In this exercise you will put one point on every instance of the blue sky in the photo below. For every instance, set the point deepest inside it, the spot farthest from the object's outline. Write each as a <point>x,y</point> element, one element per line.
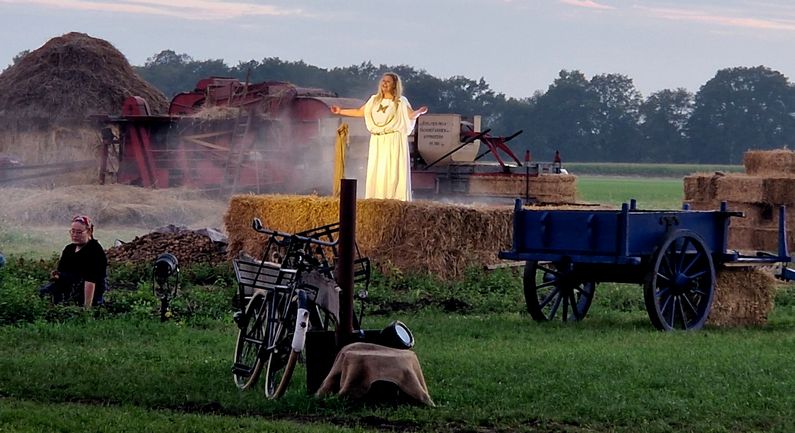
<point>517,46</point>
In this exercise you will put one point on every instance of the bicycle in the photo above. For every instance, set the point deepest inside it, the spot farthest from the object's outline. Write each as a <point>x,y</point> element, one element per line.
<point>286,296</point>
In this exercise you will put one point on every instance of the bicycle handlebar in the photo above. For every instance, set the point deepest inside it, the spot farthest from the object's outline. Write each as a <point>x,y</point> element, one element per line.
<point>256,224</point>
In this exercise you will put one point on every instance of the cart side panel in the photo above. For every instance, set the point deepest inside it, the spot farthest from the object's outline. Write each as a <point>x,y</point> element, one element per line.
<point>566,232</point>
<point>647,230</point>
<point>608,233</point>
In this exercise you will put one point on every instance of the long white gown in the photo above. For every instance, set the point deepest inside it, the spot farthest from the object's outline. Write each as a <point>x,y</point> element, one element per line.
<point>388,163</point>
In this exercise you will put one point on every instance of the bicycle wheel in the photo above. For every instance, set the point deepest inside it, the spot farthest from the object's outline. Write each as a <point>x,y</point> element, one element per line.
<point>282,359</point>
<point>281,327</point>
<point>250,338</point>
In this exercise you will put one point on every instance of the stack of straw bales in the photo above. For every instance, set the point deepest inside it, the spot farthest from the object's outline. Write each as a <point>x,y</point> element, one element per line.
<point>745,296</point>
<point>411,237</point>
<point>768,183</point>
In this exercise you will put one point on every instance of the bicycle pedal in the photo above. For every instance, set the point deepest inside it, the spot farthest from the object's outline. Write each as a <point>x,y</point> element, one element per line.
<point>241,369</point>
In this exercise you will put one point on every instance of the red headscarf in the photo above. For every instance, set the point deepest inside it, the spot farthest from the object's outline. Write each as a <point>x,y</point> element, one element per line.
<point>86,221</point>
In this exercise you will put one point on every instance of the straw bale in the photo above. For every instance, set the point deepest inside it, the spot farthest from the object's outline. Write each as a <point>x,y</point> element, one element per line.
<point>780,190</point>
<point>756,215</point>
<point>756,238</point>
<point>416,237</point>
<point>769,162</point>
<point>742,238</point>
<point>700,187</point>
<point>547,188</point>
<point>743,296</point>
<point>740,188</point>
<point>69,78</point>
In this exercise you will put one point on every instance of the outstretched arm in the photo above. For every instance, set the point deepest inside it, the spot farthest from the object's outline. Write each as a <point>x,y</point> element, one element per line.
<point>413,114</point>
<point>350,112</point>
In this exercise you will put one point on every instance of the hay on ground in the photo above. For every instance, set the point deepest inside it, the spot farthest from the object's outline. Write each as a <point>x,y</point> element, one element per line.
<point>110,205</point>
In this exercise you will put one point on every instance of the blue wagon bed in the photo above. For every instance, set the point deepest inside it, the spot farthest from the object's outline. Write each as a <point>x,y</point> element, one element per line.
<point>672,254</point>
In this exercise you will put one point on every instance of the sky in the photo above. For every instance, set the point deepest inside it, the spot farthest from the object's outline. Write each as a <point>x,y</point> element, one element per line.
<point>517,46</point>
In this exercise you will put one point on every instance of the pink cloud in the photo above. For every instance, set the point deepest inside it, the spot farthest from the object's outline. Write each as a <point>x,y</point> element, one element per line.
<point>588,4</point>
<point>187,9</point>
<point>717,19</point>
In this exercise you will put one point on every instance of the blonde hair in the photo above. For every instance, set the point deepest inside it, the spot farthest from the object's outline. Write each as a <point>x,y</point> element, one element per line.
<point>398,87</point>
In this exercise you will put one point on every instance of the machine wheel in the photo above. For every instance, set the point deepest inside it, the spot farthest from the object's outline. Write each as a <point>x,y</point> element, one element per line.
<point>679,288</point>
<point>248,361</point>
<point>552,288</point>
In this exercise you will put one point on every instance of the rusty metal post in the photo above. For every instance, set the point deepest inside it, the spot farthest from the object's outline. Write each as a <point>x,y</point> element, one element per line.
<point>345,260</point>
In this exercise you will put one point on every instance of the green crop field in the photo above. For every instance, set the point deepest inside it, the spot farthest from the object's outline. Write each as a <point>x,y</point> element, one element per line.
<point>650,193</point>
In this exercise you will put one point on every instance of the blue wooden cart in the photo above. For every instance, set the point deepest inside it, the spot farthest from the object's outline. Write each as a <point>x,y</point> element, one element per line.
<point>673,254</point>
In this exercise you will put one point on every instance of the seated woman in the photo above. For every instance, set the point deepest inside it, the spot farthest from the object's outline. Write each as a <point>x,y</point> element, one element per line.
<point>82,269</point>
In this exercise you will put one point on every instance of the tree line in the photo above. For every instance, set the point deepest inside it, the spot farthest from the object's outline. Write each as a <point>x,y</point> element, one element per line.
<point>601,119</point>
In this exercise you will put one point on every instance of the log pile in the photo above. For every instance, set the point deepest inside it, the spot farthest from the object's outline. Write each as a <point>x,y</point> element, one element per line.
<point>188,246</point>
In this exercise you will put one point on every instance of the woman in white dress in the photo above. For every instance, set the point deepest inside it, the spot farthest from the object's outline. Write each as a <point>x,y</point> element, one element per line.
<point>390,119</point>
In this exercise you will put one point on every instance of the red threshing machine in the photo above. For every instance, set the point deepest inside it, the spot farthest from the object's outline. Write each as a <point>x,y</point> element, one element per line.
<point>227,136</point>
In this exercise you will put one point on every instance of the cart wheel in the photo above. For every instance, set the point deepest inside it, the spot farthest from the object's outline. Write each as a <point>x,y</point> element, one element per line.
<point>552,288</point>
<point>678,290</point>
<point>248,361</point>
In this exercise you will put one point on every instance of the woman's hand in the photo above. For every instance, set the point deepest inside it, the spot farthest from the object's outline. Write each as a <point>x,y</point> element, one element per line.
<point>419,112</point>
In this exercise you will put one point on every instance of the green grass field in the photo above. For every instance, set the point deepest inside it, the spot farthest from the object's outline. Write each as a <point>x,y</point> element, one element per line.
<point>489,367</point>
<point>651,193</point>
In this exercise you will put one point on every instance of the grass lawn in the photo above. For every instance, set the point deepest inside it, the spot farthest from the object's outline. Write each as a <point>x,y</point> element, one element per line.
<point>496,372</point>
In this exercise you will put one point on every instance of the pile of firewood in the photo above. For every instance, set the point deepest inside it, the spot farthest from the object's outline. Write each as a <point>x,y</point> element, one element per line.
<point>189,247</point>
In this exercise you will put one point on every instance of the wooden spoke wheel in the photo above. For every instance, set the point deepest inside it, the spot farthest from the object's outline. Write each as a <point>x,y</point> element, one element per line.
<point>553,290</point>
<point>679,288</point>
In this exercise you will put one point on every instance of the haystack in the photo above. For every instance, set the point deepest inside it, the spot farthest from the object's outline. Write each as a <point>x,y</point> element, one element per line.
<point>46,98</point>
